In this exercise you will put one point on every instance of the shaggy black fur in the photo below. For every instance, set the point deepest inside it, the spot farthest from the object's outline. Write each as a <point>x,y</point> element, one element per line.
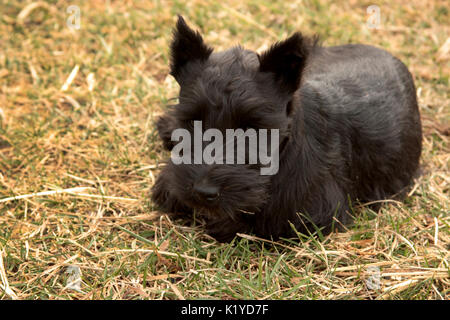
<point>349,126</point>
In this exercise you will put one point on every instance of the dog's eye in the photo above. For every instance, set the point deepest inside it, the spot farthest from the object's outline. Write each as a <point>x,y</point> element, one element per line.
<point>245,127</point>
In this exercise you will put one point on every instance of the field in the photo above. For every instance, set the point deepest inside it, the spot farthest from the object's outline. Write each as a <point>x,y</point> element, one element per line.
<point>79,153</point>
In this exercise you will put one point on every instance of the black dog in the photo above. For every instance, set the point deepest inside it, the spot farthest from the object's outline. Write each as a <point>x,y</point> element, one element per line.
<point>349,130</point>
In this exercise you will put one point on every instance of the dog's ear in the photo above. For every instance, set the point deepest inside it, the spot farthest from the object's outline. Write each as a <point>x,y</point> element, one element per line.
<point>286,60</point>
<point>165,125</point>
<point>187,45</point>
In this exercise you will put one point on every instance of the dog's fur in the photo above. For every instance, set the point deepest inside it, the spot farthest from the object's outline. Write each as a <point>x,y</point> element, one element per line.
<point>349,126</point>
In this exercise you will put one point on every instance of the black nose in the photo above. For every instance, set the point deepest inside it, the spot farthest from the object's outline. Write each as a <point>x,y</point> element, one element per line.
<point>206,191</point>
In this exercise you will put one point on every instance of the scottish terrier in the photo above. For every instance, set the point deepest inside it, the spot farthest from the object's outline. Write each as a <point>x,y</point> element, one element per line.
<point>348,127</point>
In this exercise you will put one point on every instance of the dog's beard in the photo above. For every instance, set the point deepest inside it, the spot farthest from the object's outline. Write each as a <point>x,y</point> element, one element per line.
<point>242,191</point>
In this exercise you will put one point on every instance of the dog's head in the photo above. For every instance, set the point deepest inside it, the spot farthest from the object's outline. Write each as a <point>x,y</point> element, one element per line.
<point>239,90</point>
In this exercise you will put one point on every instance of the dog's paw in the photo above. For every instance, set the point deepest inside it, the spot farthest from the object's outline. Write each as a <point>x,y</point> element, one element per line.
<point>224,230</point>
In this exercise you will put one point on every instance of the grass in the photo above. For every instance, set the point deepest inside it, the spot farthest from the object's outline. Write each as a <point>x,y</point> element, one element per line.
<point>76,165</point>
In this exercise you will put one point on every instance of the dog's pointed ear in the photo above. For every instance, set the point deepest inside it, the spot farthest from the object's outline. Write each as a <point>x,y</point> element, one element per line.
<point>286,60</point>
<point>187,45</point>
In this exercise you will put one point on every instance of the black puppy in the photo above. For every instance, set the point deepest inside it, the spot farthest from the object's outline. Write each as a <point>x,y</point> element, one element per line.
<point>349,130</point>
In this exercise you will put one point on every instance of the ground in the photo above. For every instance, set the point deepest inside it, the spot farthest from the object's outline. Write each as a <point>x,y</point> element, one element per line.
<point>79,153</point>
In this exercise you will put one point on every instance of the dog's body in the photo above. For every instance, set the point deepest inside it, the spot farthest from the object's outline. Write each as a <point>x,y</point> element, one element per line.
<point>349,130</point>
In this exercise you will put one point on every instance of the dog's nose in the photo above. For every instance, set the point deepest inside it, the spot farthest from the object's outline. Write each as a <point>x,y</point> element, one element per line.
<point>206,191</point>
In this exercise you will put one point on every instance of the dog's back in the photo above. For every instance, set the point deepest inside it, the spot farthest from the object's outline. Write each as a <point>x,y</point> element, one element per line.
<point>368,98</point>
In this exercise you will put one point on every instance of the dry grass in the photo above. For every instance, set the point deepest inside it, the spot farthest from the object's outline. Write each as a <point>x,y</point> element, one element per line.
<point>78,154</point>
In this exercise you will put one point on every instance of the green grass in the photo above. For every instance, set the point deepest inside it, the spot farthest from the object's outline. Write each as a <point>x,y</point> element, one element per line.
<point>103,138</point>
